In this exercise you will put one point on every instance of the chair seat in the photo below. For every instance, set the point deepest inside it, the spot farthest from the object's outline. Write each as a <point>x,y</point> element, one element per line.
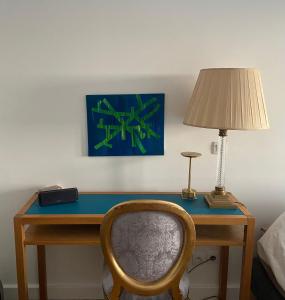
<point>184,287</point>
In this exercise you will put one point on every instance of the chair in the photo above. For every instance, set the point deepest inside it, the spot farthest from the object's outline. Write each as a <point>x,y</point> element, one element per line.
<point>147,245</point>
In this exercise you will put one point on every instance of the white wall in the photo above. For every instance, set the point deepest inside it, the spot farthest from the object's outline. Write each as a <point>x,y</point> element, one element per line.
<point>53,53</point>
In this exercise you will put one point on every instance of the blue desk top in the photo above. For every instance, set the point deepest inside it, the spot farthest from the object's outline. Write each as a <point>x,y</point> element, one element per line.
<point>101,203</point>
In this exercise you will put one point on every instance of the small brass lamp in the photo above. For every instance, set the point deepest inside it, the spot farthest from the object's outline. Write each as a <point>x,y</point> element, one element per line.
<point>224,99</point>
<point>189,193</point>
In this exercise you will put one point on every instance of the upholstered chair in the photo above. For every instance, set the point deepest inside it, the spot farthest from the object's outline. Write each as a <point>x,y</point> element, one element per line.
<point>147,245</point>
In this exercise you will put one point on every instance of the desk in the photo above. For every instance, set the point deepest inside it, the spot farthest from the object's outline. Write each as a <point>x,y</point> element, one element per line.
<point>79,224</point>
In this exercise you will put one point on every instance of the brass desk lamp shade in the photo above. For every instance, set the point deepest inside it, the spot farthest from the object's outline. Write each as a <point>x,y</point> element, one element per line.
<point>226,98</point>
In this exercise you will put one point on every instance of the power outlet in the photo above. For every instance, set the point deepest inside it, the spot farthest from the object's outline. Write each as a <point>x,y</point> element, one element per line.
<point>200,260</point>
<point>203,254</point>
<point>196,259</point>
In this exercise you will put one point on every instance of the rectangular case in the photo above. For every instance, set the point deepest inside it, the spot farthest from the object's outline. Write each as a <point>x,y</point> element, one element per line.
<point>59,196</point>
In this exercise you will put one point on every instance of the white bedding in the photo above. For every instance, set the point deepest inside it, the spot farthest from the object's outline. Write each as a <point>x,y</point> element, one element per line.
<point>271,249</point>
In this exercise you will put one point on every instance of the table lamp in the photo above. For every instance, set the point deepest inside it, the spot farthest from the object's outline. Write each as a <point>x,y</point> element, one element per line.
<point>224,99</point>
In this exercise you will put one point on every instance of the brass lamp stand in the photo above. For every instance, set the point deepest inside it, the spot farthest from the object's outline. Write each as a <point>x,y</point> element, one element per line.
<point>189,193</point>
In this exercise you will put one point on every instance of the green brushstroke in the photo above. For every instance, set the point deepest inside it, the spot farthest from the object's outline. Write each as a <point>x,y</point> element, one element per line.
<point>138,132</point>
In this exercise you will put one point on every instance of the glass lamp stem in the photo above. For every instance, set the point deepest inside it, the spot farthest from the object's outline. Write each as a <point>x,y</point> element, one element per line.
<point>221,162</point>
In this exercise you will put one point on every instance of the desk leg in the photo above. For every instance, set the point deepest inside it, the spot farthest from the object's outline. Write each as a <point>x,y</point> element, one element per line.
<point>21,260</point>
<point>42,271</point>
<point>223,273</point>
<point>245,280</point>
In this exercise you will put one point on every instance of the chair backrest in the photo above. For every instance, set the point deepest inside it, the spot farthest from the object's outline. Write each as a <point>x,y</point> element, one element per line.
<point>147,245</point>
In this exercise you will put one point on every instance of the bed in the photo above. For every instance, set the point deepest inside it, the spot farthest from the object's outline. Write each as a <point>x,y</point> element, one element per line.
<point>263,285</point>
<point>268,273</point>
<point>1,291</point>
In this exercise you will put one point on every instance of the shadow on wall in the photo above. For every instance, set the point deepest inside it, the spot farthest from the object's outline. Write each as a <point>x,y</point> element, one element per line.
<point>51,112</point>
<point>58,104</point>
<point>48,116</point>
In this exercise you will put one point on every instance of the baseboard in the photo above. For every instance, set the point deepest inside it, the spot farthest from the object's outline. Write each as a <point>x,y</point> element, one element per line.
<point>59,291</point>
<point>75,291</point>
<point>201,291</point>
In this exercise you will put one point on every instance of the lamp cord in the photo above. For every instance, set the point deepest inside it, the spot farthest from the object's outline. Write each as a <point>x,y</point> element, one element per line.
<point>211,258</point>
<point>202,263</point>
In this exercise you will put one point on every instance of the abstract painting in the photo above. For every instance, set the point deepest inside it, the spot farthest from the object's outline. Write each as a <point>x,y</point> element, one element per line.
<point>129,124</point>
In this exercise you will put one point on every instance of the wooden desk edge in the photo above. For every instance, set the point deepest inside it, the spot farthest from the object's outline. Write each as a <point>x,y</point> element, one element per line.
<point>97,219</point>
<point>27,205</point>
<point>34,197</point>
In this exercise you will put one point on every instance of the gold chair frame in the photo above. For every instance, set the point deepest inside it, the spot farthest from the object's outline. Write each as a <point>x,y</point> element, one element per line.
<point>170,281</point>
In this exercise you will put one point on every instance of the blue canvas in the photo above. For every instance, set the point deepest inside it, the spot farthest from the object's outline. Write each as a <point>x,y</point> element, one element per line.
<point>131,124</point>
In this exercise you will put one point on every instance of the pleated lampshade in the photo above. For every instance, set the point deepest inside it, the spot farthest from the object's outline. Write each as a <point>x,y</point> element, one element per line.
<point>228,98</point>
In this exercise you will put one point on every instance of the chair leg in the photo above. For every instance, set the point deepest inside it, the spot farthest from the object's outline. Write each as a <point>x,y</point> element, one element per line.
<point>115,294</point>
<point>105,295</point>
<point>176,293</point>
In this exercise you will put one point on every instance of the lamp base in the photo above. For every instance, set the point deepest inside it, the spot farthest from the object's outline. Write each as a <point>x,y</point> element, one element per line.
<point>189,194</point>
<point>225,200</point>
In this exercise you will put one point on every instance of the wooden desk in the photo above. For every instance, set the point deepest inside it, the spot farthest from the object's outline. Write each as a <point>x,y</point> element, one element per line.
<point>79,224</point>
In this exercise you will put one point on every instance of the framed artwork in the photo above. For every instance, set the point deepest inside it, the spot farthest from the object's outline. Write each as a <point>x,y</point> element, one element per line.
<point>131,124</point>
